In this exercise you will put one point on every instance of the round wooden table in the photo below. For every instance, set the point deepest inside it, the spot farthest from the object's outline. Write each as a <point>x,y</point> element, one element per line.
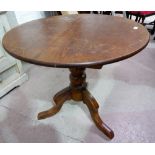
<point>76,42</point>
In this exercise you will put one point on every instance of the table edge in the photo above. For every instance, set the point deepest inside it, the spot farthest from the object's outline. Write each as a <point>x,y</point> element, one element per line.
<point>81,65</point>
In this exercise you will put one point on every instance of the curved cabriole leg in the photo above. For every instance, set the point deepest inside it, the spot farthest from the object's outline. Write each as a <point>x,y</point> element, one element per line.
<point>59,100</point>
<point>77,91</point>
<point>92,104</point>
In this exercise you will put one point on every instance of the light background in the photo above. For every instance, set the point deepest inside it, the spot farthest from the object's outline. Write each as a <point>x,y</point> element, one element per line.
<point>74,5</point>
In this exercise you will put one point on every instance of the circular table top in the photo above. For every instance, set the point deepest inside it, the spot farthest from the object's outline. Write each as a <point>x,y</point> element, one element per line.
<point>76,40</point>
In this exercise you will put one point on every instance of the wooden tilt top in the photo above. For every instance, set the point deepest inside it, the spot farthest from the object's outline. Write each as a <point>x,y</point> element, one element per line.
<point>76,40</point>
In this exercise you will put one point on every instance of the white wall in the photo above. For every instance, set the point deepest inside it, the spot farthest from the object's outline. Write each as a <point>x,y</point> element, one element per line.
<point>69,12</point>
<point>25,16</point>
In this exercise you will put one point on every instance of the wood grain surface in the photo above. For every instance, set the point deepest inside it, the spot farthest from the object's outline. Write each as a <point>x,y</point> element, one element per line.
<point>76,40</point>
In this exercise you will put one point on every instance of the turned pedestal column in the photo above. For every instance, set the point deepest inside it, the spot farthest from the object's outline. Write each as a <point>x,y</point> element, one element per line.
<point>77,91</point>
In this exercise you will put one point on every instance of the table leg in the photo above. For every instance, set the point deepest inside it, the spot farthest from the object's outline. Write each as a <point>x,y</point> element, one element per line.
<point>59,100</point>
<point>93,106</point>
<point>77,91</point>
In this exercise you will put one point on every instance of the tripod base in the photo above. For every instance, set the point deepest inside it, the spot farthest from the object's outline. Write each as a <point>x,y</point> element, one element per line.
<point>77,91</point>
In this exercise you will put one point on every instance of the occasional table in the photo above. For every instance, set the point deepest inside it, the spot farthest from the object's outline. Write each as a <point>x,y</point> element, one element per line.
<point>76,42</point>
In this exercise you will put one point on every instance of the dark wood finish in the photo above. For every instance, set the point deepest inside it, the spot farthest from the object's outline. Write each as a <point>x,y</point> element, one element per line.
<point>76,42</point>
<point>77,91</point>
<point>59,100</point>
<point>93,106</point>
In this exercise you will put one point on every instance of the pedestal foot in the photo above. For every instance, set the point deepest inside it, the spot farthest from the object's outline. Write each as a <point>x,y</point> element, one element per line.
<point>59,100</point>
<point>77,91</point>
<point>92,104</point>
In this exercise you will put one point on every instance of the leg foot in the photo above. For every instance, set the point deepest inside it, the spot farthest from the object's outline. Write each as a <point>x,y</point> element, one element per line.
<point>77,91</point>
<point>59,100</point>
<point>92,104</point>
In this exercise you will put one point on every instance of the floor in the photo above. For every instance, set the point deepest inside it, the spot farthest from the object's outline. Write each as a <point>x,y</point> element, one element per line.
<point>125,91</point>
